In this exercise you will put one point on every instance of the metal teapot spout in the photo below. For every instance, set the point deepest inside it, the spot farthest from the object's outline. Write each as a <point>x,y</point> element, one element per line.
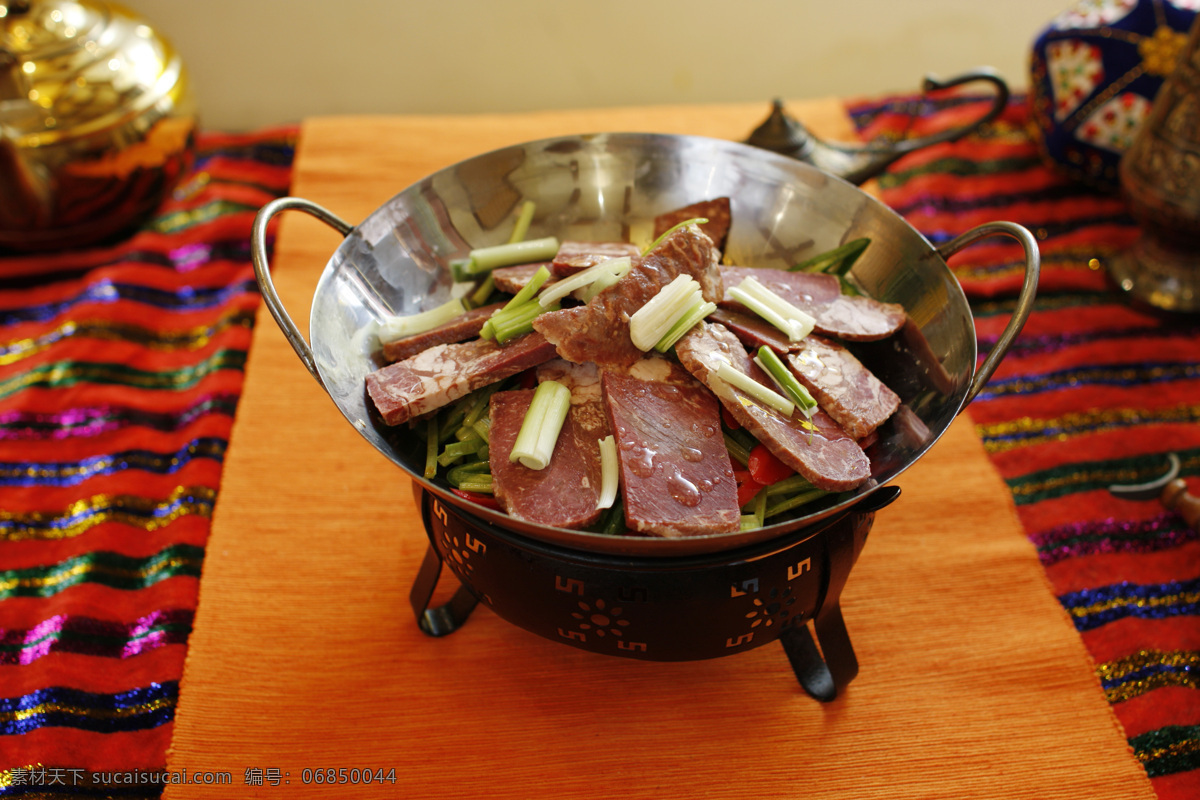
<point>781,133</point>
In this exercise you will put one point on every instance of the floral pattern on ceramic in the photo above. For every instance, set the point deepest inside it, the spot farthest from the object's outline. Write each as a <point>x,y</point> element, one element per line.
<point>1095,70</point>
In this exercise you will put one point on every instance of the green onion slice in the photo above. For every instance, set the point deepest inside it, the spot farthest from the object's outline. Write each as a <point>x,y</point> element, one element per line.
<point>738,451</point>
<point>486,259</point>
<point>651,322</point>
<point>756,390</point>
<point>585,278</point>
<point>795,501</point>
<point>696,312</point>
<point>524,218</point>
<point>432,440</point>
<point>785,379</point>
<point>837,261</point>
<point>517,315</point>
<point>610,477</point>
<point>542,424</point>
<point>672,229</point>
<point>794,322</point>
<point>398,327</point>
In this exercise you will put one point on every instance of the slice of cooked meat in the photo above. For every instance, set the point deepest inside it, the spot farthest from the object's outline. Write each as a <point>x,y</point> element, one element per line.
<point>564,494</point>
<point>716,211</point>
<point>817,449</point>
<point>513,279</point>
<point>676,476</point>
<point>599,331</point>
<point>446,372</point>
<point>855,398</point>
<point>849,317</point>
<point>575,257</point>
<point>753,330</point>
<point>465,326</point>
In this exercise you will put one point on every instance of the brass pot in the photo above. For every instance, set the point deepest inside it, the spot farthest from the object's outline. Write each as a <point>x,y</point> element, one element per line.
<point>97,122</point>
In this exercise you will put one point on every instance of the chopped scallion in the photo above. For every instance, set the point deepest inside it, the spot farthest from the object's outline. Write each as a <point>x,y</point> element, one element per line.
<point>837,261</point>
<point>456,450</point>
<point>737,450</point>
<point>789,485</point>
<point>698,311</point>
<point>486,259</point>
<point>524,218</point>
<point>672,229</point>
<point>756,390</point>
<point>609,472</point>
<point>481,294</point>
<point>758,513</point>
<point>613,268</point>
<point>795,323</point>
<point>615,523</point>
<point>785,379</point>
<point>398,327</point>
<point>431,448</point>
<point>543,422</point>
<point>471,470</point>
<point>795,501</point>
<point>480,483</point>
<point>527,292</point>
<point>517,315</point>
<point>517,321</point>
<point>652,321</point>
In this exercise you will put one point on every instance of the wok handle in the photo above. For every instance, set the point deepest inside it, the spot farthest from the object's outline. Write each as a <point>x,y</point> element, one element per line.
<point>262,269</point>
<point>1033,265</point>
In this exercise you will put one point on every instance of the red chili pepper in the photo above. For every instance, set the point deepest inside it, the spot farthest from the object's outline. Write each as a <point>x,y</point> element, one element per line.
<point>485,500</point>
<point>747,491</point>
<point>729,420</point>
<point>765,467</point>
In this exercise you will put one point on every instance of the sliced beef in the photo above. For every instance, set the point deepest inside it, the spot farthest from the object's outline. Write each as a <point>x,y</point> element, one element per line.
<point>599,331</point>
<point>575,257</point>
<point>676,476</point>
<point>446,372</point>
<point>716,211</point>
<point>564,494</point>
<point>818,449</point>
<point>844,388</point>
<point>849,317</point>
<point>514,279</point>
<point>753,330</point>
<point>461,328</point>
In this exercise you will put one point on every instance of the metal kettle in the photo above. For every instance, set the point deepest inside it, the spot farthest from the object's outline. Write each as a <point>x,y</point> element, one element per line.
<point>97,122</point>
<point>781,133</point>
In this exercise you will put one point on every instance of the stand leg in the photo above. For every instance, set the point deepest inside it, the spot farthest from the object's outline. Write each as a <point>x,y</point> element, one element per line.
<point>823,678</point>
<point>444,619</point>
<point>826,676</point>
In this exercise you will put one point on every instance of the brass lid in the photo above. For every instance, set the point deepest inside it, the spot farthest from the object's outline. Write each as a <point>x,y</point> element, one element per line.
<point>76,67</point>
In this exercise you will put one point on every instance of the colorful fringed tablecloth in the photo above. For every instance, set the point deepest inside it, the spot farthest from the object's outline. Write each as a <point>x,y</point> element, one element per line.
<point>120,372</point>
<point>1092,393</point>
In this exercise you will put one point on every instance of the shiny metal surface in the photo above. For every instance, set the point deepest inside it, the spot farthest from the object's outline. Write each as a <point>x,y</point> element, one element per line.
<point>96,122</point>
<point>782,134</point>
<point>609,187</point>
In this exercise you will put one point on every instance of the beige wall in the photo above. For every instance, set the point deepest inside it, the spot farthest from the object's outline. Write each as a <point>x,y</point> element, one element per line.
<point>263,62</point>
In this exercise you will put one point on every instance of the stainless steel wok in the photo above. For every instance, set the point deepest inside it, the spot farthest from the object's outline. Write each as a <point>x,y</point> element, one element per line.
<point>609,186</point>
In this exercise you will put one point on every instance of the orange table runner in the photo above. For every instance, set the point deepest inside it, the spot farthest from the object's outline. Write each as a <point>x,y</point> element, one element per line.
<point>305,656</point>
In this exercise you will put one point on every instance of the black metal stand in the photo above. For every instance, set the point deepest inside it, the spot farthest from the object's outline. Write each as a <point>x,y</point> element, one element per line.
<point>825,672</point>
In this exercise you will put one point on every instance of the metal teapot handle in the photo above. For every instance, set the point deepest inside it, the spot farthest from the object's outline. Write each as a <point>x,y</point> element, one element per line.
<point>858,163</point>
<point>1033,262</point>
<point>262,271</point>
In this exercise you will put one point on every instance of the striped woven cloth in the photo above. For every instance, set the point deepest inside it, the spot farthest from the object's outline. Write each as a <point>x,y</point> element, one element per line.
<point>120,370</point>
<point>1092,393</point>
